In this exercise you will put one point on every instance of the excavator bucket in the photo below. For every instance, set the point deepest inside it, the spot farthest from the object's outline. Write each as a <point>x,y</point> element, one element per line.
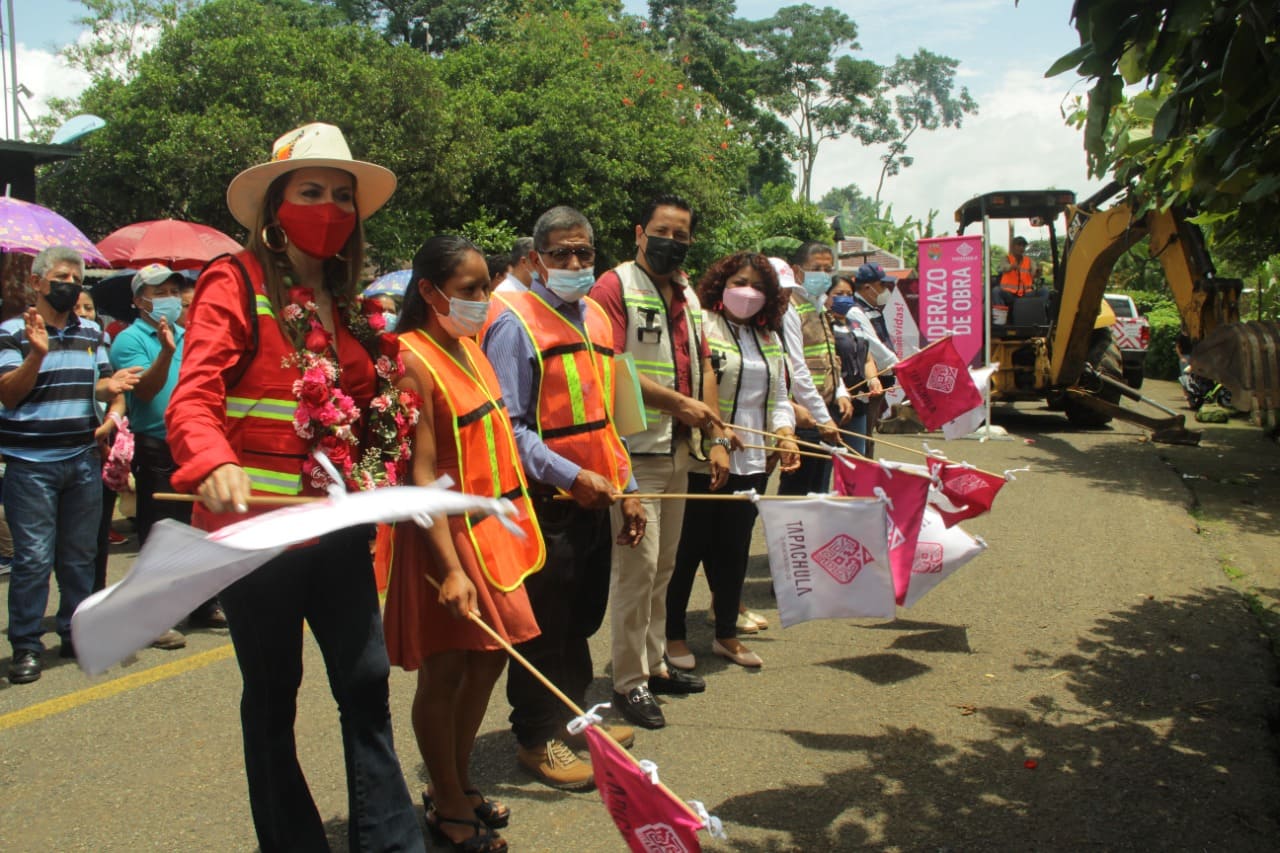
<point>1245,359</point>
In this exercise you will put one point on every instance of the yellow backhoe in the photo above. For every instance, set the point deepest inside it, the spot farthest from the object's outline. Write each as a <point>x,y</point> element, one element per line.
<point>1056,344</point>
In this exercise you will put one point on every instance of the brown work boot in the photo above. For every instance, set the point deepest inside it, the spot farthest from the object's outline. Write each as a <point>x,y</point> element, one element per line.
<point>169,640</point>
<point>556,765</point>
<point>624,735</point>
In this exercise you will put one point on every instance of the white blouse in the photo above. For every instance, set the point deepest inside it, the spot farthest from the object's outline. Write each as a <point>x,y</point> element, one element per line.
<point>752,390</point>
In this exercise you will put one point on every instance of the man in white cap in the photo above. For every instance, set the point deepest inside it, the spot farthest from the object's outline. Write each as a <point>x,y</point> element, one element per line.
<point>153,342</point>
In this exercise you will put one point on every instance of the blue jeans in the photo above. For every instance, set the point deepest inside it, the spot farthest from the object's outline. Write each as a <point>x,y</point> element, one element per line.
<point>329,585</point>
<point>53,510</point>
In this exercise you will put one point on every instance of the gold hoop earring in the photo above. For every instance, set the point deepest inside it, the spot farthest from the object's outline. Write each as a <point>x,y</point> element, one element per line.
<point>274,229</point>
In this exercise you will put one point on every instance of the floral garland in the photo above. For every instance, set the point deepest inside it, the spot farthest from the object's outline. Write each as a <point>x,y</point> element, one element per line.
<point>327,416</point>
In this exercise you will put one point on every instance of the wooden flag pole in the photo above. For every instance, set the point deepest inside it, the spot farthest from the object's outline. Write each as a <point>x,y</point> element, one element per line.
<point>475,618</point>
<point>768,449</point>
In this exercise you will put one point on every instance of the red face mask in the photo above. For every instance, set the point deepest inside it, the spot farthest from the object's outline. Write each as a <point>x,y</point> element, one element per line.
<point>320,230</point>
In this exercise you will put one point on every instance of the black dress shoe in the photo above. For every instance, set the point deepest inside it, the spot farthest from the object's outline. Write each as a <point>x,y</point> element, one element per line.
<point>25,667</point>
<point>676,683</point>
<point>67,650</point>
<point>640,707</point>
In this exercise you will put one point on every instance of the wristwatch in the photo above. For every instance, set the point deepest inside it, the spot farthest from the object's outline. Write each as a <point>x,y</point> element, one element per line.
<point>721,442</point>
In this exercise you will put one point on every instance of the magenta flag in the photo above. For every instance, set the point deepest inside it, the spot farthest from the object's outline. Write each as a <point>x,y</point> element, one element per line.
<point>937,382</point>
<point>972,490</point>
<point>649,816</point>
<point>951,292</point>
<point>908,495</point>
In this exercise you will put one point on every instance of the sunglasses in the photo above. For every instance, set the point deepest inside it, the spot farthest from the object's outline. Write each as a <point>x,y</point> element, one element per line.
<point>585,254</point>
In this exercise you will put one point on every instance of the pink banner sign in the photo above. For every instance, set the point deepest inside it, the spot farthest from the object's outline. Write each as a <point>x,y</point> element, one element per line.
<point>951,292</point>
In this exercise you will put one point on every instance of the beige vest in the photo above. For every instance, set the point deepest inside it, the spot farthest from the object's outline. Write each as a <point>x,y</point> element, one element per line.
<point>649,342</point>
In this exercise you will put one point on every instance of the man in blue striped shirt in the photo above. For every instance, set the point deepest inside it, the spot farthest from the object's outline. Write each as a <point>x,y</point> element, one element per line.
<point>52,367</point>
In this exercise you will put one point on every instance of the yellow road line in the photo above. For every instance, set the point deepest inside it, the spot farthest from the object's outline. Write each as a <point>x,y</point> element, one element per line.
<point>115,686</point>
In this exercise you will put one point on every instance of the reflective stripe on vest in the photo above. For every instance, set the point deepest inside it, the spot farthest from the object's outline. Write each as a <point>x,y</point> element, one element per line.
<point>477,416</point>
<point>574,409</point>
<point>275,482</point>
<point>655,359</point>
<point>275,410</point>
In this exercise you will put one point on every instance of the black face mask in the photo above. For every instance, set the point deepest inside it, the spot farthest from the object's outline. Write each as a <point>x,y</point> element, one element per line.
<point>63,295</point>
<point>664,255</point>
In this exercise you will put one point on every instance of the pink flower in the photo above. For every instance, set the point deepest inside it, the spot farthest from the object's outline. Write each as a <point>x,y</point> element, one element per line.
<point>380,403</point>
<point>393,478</point>
<point>292,313</point>
<point>383,366</point>
<point>376,322</point>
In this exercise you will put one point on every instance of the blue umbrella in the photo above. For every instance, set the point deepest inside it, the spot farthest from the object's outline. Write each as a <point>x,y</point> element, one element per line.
<point>391,284</point>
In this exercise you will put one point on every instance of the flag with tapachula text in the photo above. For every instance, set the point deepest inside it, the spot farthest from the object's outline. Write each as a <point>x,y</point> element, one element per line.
<point>829,558</point>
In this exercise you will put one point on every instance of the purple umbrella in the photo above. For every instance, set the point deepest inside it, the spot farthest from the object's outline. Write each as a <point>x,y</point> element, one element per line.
<point>28,229</point>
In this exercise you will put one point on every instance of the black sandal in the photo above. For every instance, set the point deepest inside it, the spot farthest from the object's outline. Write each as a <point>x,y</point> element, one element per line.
<point>494,815</point>
<point>485,840</point>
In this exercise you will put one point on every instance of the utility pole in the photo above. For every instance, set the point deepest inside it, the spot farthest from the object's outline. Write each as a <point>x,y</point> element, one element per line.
<point>13,70</point>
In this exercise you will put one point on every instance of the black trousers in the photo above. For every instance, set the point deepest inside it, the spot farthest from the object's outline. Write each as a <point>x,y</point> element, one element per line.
<point>569,597</point>
<point>153,465</point>
<point>330,586</point>
<point>716,534</point>
<point>814,475</point>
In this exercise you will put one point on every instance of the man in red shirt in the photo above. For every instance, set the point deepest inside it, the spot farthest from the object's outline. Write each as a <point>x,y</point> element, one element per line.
<point>656,317</point>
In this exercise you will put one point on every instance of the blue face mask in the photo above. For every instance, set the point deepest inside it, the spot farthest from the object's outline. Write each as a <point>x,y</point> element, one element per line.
<point>816,284</point>
<point>571,285</point>
<point>840,305</point>
<point>390,319</point>
<point>168,307</point>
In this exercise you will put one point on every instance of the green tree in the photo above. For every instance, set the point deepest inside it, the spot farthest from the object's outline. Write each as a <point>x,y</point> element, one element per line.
<point>924,98</point>
<point>806,76</point>
<point>1204,132</point>
<point>226,80</point>
<point>708,43</point>
<point>771,221</point>
<point>577,109</point>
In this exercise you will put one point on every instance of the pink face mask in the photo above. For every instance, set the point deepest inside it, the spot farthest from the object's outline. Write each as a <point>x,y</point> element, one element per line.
<point>743,302</point>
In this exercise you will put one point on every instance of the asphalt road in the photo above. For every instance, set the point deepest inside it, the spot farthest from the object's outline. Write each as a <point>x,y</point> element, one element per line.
<point>1105,637</point>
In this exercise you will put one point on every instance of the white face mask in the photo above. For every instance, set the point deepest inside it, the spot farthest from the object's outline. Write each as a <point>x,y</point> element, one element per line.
<point>465,317</point>
<point>882,298</point>
<point>571,285</point>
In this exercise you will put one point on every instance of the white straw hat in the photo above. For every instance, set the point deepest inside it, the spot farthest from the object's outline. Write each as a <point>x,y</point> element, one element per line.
<point>312,145</point>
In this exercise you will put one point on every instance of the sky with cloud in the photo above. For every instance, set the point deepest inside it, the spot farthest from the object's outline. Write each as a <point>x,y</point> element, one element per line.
<point>1018,139</point>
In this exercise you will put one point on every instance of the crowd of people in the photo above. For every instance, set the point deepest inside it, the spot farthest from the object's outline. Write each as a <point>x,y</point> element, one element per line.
<point>501,375</point>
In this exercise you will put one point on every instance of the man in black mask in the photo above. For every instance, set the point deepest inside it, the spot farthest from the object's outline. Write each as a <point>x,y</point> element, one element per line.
<point>656,317</point>
<point>52,367</point>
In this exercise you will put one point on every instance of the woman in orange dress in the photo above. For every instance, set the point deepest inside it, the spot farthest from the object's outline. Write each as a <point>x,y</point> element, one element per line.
<point>464,433</point>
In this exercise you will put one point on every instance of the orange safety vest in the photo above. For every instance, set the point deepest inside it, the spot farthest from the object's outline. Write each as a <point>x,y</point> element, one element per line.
<point>1017,280</point>
<point>467,404</point>
<point>575,391</point>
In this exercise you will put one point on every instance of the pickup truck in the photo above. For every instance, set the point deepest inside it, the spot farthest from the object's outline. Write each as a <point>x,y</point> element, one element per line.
<point>1132,333</point>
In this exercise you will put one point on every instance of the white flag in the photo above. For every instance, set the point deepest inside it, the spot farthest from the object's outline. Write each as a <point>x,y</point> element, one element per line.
<point>829,558</point>
<point>180,566</point>
<point>903,331</point>
<point>940,550</point>
<point>967,422</point>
